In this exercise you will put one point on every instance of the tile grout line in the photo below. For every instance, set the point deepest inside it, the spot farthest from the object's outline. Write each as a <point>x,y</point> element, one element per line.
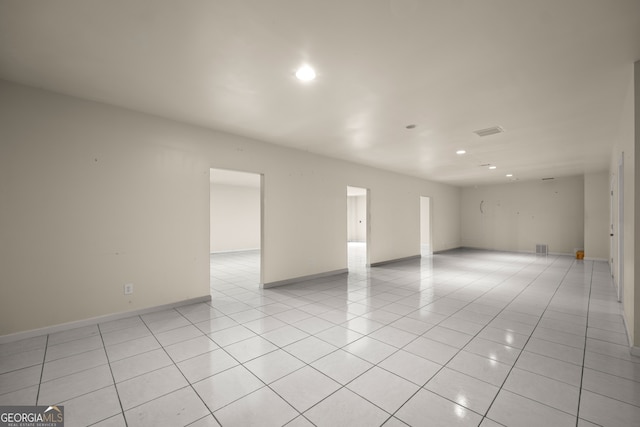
<point>525,344</point>
<point>398,349</point>
<point>44,358</point>
<point>300,414</point>
<point>190,385</point>
<point>405,285</point>
<point>104,347</point>
<point>341,386</point>
<point>248,370</point>
<point>243,365</point>
<point>474,336</point>
<point>584,352</point>
<point>443,366</point>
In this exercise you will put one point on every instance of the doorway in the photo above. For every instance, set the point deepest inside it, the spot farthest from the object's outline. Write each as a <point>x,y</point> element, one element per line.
<point>425,226</point>
<point>357,228</point>
<point>235,230</point>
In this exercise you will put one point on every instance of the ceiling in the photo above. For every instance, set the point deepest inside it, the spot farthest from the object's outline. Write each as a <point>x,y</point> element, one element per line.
<point>554,74</point>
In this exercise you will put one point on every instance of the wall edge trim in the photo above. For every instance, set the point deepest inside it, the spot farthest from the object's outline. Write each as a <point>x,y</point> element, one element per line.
<point>17,336</point>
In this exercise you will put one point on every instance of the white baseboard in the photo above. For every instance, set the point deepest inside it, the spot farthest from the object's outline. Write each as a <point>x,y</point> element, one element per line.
<point>551,254</point>
<point>303,278</point>
<point>390,261</point>
<point>231,251</point>
<point>629,337</point>
<point>516,251</point>
<point>443,251</point>
<point>17,336</point>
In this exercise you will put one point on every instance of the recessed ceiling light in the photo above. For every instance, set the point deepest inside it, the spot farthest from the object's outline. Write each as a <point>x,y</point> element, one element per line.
<point>306,73</point>
<point>461,152</point>
<point>492,167</point>
<point>509,175</point>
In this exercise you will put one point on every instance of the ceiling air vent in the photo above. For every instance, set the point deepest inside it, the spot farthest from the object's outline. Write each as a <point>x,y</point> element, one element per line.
<point>489,131</point>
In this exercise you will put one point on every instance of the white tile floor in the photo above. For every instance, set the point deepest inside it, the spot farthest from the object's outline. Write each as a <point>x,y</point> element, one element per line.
<point>460,338</point>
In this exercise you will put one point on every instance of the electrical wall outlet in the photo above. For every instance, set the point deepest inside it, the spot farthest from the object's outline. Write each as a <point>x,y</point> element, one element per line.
<point>128,288</point>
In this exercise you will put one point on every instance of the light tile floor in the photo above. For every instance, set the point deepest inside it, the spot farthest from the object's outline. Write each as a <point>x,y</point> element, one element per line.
<point>459,338</point>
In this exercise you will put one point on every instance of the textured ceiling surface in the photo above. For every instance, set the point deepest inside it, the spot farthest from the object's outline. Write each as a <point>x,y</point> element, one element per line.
<point>554,74</point>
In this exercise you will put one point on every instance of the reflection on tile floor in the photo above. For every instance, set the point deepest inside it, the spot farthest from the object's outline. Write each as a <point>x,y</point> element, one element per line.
<point>459,338</point>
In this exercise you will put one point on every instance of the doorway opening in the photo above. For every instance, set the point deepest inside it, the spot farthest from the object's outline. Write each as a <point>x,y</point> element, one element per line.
<point>235,230</point>
<point>425,226</point>
<point>357,228</point>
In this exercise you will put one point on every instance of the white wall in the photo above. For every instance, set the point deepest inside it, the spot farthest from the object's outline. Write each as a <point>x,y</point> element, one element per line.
<point>519,215</point>
<point>597,206</point>
<point>235,218</point>
<point>94,197</point>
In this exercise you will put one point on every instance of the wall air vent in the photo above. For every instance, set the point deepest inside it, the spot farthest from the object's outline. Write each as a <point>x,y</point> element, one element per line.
<point>542,249</point>
<point>489,131</point>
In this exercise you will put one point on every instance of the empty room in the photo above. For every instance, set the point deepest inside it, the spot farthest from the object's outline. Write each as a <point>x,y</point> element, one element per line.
<point>337,213</point>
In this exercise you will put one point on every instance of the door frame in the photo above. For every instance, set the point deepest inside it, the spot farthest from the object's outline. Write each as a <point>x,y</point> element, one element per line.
<point>620,228</point>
